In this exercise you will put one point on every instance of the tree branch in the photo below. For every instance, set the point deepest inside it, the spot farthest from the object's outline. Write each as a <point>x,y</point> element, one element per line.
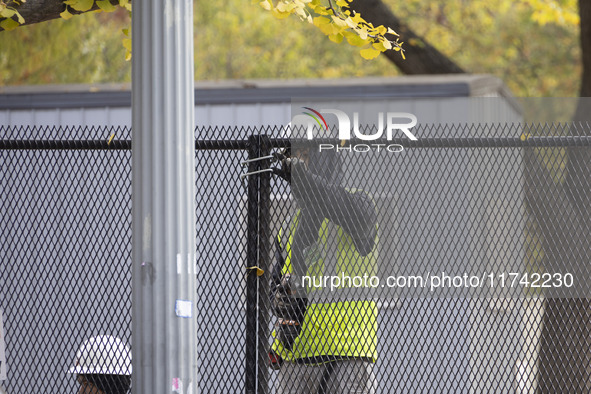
<point>421,57</point>
<point>36,11</point>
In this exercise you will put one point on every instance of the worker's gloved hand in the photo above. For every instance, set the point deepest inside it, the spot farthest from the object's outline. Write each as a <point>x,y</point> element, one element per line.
<point>289,304</point>
<point>275,360</point>
<point>289,166</point>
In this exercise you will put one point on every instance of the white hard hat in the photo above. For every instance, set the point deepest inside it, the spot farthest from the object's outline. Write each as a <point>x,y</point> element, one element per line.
<point>103,355</point>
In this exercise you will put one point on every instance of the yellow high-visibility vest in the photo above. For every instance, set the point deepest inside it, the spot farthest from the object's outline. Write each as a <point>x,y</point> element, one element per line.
<point>336,328</point>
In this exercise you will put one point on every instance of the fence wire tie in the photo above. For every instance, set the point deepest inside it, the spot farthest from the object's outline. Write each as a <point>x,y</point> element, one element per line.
<point>259,270</point>
<point>111,139</point>
<point>256,172</point>
<point>525,136</point>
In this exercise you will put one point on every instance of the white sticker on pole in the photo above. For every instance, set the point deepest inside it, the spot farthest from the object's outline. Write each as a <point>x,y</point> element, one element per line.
<point>177,386</point>
<point>184,308</point>
<point>2,351</point>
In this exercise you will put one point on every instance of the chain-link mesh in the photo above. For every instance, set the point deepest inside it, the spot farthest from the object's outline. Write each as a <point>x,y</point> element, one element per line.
<point>498,200</point>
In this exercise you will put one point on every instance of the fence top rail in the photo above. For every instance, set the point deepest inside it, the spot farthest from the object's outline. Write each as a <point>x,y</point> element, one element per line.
<point>243,144</point>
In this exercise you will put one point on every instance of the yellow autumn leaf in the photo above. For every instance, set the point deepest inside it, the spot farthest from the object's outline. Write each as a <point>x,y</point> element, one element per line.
<point>266,4</point>
<point>81,5</point>
<point>320,9</point>
<point>278,14</point>
<point>354,40</point>
<point>127,46</point>
<point>362,33</point>
<point>390,31</point>
<point>9,24</point>
<point>320,20</point>
<point>285,7</point>
<point>329,29</point>
<point>338,38</point>
<point>127,43</point>
<point>20,18</point>
<point>105,5</point>
<point>66,14</point>
<point>369,53</point>
<point>350,23</point>
<point>6,12</point>
<point>339,22</point>
<point>379,46</point>
<point>301,12</point>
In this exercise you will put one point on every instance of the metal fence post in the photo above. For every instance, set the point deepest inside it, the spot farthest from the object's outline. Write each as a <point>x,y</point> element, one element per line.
<point>252,225</point>
<point>163,198</point>
<point>257,261</point>
<point>265,266</point>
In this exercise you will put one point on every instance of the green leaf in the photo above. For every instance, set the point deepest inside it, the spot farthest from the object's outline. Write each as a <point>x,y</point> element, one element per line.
<point>9,24</point>
<point>106,5</point>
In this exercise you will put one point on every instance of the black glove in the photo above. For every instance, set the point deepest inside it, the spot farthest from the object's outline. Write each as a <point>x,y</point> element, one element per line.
<point>289,165</point>
<point>289,304</point>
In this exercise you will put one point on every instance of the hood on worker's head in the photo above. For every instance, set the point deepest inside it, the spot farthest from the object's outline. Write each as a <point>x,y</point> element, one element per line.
<point>326,163</point>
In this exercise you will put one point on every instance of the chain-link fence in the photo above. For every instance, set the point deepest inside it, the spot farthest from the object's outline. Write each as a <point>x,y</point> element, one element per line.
<point>477,224</point>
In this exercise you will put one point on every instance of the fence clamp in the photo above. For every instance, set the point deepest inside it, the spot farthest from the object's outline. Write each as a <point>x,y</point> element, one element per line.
<point>256,172</point>
<point>244,163</point>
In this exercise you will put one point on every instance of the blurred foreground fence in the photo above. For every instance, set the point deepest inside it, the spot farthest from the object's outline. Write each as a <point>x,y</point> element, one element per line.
<point>495,200</point>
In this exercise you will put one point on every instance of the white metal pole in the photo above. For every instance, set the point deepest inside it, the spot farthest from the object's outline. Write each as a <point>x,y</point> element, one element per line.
<point>163,198</point>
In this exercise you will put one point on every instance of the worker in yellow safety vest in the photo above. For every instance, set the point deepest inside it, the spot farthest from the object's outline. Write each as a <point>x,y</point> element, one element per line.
<point>325,336</point>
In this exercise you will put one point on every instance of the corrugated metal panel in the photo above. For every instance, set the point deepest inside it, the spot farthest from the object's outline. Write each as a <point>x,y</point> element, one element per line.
<point>239,103</point>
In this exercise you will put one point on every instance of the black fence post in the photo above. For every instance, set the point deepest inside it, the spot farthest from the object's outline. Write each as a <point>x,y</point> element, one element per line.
<point>264,265</point>
<point>257,264</point>
<point>252,235</point>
